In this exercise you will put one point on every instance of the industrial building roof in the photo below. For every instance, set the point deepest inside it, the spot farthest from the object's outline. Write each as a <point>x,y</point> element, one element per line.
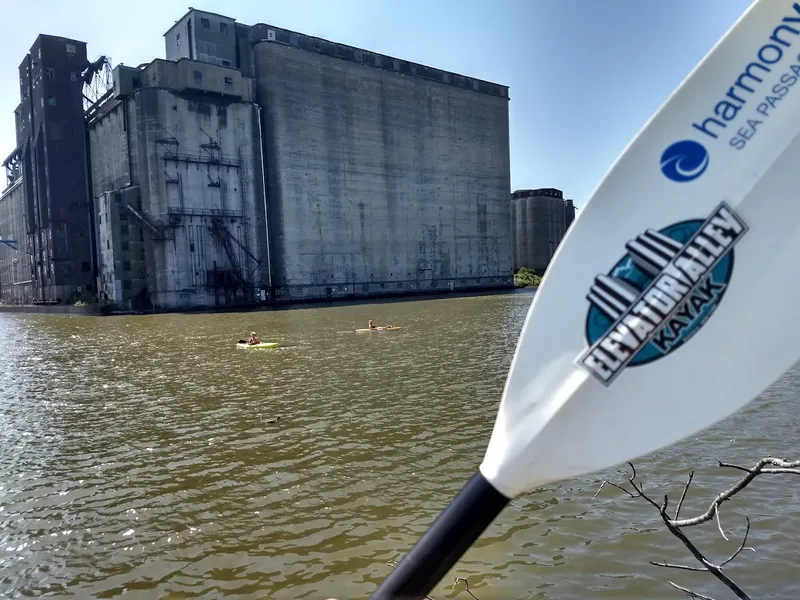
<point>399,65</point>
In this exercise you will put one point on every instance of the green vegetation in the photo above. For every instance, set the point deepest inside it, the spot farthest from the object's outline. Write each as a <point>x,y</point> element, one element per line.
<point>78,299</point>
<point>526,277</point>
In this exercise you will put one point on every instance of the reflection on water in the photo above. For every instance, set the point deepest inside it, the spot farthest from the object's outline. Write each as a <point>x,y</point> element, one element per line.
<point>150,456</point>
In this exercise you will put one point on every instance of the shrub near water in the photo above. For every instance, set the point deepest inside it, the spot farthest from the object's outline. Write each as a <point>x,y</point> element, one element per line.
<point>526,277</point>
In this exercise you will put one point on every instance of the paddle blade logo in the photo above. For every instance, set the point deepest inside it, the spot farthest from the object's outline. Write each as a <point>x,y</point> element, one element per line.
<point>684,161</point>
<point>660,293</point>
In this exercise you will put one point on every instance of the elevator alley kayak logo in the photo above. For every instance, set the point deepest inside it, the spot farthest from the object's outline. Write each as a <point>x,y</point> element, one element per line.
<point>660,293</point>
<point>684,161</point>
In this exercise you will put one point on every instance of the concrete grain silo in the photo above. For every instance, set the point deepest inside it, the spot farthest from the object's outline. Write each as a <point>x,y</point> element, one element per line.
<point>539,224</point>
<point>254,164</point>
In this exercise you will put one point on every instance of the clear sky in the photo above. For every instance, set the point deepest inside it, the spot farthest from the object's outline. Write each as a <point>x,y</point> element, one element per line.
<point>585,75</point>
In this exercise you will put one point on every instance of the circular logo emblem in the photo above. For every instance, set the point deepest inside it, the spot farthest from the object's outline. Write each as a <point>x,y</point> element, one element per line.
<point>629,275</point>
<point>684,161</point>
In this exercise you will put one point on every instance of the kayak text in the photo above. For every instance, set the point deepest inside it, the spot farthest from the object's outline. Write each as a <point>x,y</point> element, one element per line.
<point>705,294</point>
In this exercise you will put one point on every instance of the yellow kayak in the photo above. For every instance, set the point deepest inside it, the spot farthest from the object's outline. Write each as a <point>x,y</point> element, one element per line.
<point>378,329</point>
<point>258,346</point>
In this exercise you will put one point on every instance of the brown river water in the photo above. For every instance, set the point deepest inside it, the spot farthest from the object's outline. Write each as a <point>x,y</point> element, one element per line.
<point>144,456</point>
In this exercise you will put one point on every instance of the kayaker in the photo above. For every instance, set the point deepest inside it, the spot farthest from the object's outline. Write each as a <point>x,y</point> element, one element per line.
<point>371,326</point>
<point>253,339</point>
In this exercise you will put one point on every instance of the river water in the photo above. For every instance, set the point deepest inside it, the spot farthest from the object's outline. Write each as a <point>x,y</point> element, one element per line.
<point>148,456</point>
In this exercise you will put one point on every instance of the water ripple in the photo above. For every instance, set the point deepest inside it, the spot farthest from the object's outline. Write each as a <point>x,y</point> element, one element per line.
<point>148,456</point>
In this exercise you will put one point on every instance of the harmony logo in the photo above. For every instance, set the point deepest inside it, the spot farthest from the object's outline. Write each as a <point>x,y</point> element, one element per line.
<point>660,293</point>
<point>765,66</point>
<point>684,161</point>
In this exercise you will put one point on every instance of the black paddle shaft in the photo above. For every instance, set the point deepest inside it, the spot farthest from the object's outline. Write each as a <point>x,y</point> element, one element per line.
<point>452,533</point>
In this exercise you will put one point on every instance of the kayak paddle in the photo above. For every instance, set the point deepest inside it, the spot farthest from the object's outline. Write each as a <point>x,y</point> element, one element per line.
<point>668,305</point>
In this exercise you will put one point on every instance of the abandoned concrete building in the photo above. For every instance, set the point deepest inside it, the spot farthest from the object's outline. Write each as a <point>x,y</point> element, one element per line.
<point>253,164</point>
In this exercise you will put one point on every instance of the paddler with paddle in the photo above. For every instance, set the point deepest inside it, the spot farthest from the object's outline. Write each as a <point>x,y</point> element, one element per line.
<point>253,341</point>
<point>382,328</point>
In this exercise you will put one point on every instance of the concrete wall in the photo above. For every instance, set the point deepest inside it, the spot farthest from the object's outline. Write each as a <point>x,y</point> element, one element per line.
<point>380,182</point>
<point>215,38</point>
<point>184,181</point>
<point>179,39</point>
<point>196,162</point>
<point>51,131</point>
<point>122,275</point>
<point>203,36</point>
<point>109,149</point>
<point>15,266</point>
<point>193,76</point>
<point>539,223</point>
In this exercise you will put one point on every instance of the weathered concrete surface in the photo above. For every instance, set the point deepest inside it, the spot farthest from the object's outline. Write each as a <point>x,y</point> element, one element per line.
<point>108,149</point>
<point>539,224</point>
<point>186,185</point>
<point>202,35</point>
<point>380,182</point>
<point>194,162</point>
<point>51,140</point>
<point>121,248</point>
<point>16,285</point>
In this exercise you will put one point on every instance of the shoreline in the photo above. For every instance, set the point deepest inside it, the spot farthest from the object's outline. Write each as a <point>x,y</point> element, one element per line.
<point>105,310</point>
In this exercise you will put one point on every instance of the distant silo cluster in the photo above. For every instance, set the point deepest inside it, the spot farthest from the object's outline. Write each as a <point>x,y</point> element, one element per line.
<point>539,220</point>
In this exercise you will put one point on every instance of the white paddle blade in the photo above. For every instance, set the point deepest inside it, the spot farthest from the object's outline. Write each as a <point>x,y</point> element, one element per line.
<point>669,305</point>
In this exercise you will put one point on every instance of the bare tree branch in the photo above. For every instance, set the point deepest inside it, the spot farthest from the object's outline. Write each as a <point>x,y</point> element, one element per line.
<point>683,495</point>
<point>456,581</point>
<point>783,467</point>
<point>719,524</point>
<point>466,586</point>
<point>765,466</point>
<point>619,487</point>
<point>690,593</point>
<point>681,567</point>
<point>786,468</point>
<point>393,564</point>
<point>741,546</point>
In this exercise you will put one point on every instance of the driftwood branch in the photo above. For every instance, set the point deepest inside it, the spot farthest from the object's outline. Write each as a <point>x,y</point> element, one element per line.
<point>456,581</point>
<point>675,525</point>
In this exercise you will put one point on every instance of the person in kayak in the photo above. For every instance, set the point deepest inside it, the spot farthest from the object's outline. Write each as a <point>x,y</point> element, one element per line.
<point>382,328</point>
<point>253,339</point>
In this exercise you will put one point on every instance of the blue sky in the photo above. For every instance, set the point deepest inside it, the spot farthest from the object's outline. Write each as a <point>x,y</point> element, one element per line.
<point>585,75</point>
